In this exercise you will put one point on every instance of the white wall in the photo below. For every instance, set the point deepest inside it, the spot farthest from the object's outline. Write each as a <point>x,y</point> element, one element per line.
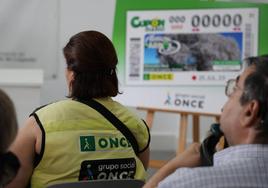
<point>76,16</point>
<point>23,87</point>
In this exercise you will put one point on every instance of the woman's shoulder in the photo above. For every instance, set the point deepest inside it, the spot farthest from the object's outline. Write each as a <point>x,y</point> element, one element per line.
<point>54,105</point>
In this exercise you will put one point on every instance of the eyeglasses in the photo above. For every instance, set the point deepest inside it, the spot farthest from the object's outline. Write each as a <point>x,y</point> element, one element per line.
<point>231,87</point>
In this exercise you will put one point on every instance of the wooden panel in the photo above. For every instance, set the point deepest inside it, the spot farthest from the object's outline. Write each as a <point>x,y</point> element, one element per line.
<point>183,133</point>
<point>157,163</point>
<point>149,118</point>
<point>195,128</point>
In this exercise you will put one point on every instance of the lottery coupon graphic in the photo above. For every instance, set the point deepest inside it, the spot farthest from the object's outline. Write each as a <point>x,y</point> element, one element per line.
<point>189,47</point>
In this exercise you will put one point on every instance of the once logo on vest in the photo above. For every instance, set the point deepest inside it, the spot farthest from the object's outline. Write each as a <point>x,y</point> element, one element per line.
<point>94,143</point>
<point>87,143</point>
<point>124,168</point>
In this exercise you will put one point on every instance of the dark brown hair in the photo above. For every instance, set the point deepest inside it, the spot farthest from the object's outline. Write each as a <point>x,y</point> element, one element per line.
<point>92,58</point>
<point>8,122</point>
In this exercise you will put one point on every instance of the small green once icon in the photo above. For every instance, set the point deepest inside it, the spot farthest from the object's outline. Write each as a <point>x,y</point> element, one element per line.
<point>87,143</point>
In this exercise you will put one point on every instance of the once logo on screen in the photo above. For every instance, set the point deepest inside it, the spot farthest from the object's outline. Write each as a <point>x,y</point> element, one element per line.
<point>185,101</point>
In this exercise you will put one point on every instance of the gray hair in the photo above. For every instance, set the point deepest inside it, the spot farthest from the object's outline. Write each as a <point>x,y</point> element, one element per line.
<point>256,88</point>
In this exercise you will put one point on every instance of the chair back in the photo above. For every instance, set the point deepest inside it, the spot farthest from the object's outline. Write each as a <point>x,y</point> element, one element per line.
<point>122,183</point>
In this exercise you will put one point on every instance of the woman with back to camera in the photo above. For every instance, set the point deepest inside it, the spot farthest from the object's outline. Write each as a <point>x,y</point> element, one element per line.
<point>71,140</point>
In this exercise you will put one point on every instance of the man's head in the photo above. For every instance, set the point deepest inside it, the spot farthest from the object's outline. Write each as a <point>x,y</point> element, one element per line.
<point>244,119</point>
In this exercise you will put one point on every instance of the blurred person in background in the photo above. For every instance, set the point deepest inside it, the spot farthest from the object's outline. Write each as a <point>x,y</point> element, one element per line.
<point>9,163</point>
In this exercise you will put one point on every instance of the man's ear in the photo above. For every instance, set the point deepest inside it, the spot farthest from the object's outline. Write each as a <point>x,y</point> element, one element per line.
<point>249,114</point>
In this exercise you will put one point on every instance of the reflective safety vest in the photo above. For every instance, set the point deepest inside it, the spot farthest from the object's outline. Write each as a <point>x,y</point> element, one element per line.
<point>78,143</point>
